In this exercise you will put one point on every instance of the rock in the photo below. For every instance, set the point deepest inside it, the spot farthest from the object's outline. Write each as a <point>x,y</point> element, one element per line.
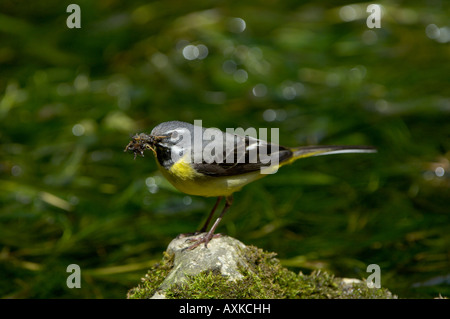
<point>222,256</point>
<point>228,269</point>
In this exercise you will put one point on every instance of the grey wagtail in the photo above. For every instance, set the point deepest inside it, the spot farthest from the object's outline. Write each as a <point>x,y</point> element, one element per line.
<point>186,160</point>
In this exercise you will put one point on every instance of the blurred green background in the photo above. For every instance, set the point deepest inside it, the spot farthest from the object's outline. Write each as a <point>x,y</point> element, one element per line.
<point>71,98</point>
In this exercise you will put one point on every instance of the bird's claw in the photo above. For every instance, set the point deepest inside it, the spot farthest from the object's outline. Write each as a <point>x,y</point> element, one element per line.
<point>206,238</point>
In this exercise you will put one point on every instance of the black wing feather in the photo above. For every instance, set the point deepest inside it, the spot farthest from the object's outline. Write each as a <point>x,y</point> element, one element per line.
<point>247,162</point>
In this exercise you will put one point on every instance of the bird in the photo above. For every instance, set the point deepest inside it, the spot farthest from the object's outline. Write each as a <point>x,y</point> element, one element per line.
<point>211,163</point>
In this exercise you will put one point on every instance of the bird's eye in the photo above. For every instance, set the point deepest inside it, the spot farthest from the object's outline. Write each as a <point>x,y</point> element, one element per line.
<point>174,135</point>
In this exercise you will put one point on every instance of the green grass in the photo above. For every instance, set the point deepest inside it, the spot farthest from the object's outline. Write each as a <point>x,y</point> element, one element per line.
<point>70,100</point>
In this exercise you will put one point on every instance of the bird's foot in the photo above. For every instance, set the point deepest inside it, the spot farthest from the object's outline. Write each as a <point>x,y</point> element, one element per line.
<point>206,238</point>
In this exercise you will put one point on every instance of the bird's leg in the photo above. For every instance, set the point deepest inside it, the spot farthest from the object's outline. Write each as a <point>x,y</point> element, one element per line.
<point>205,226</point>
<point>206,238</point>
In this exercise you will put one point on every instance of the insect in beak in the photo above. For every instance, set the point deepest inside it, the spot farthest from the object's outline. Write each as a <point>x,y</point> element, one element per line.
<point>141,142</point>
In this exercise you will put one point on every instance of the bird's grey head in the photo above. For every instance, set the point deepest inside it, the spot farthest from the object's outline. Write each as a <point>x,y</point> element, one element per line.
<point>168,137</point>
<point>166,128</point>
<point>173,139</point>
<point>173,133</point>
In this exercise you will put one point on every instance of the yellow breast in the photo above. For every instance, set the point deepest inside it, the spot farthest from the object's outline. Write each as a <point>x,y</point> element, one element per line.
<point>182,170</point>
<point>184,178</point>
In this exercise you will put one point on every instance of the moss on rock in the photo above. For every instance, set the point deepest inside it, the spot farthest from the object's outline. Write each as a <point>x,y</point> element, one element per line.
<point>263,277</point>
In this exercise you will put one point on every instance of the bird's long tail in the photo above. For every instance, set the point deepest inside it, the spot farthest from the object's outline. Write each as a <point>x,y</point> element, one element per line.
<point>309,151</point>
